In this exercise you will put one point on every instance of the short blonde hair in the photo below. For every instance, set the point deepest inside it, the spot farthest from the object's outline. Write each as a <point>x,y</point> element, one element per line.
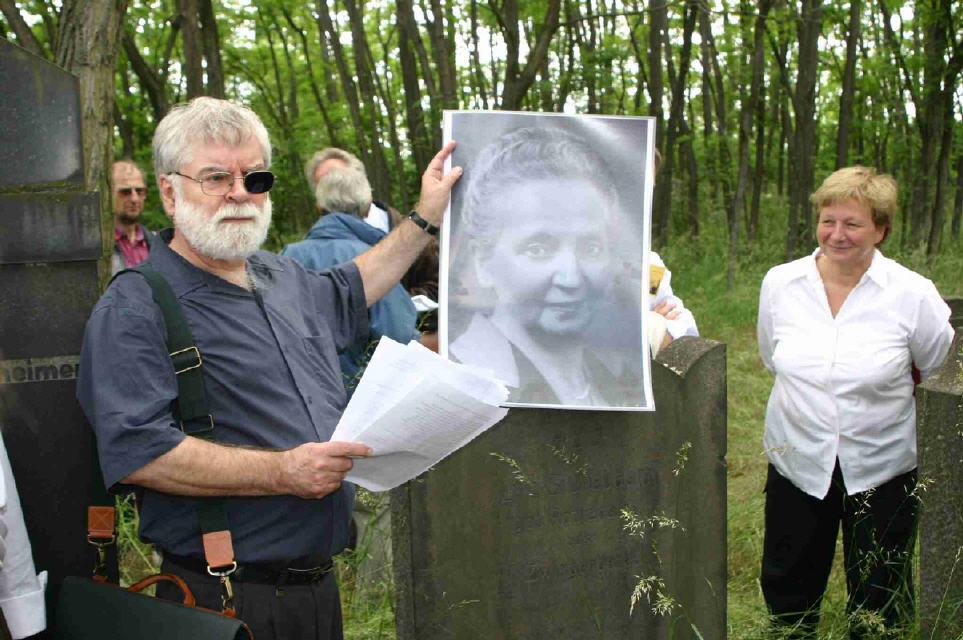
<point>878,191</point>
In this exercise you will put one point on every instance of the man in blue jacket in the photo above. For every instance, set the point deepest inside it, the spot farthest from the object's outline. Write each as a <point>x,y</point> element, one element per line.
<point>344,231</point>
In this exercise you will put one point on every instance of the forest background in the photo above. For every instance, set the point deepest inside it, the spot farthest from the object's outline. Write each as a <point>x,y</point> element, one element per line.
<point>757,101</point>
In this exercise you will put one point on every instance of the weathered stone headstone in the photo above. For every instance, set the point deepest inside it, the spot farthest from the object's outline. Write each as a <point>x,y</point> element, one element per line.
<point>956,312</point>
<point>940,439</point>
<point>522,534</point>
<point>49,245</point>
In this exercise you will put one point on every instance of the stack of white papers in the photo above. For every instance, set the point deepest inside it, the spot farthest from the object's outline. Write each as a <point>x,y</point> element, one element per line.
<point>414,408</point>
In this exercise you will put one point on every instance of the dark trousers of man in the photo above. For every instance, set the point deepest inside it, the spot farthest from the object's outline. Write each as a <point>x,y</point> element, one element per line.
<point>879,528</point>
<point>282,607</point>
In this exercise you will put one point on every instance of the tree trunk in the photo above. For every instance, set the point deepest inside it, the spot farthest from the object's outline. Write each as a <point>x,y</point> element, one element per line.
<point>942,175</point>
<point>586,49</point>
<point>711,172</point>
<point>378,168</point>
<point>89,39</point>
<point>406,22</point>
<point>25,35</point>
<point>749,109</point>
<point>567,66</point>
<point>348,86</point>
<point>211,42</point>
<point>414,115</point>
<point>847,97</point>
<point>193,67</point>
<point>517,81</point>
<point>444,56</point>
<point>662,207</point>
<point>958,202</point>
<point>803,149</point>
<point>333,137</point>
<point>936,119</point>
<point>936,19</point>
<point>153,84</point>
<point>476,69</point>
<point>400,181</point>
<point>658,21</point>
<point>693,171</point>
<point>759,169</point>
<point>123,125</point>
<point>722,146</point>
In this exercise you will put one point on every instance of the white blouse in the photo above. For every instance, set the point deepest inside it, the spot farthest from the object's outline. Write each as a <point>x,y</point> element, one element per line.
<point>843,385</point>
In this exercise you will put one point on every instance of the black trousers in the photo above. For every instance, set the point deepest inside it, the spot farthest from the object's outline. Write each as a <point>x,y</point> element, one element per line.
<point>273,612</point>
<point>879,528</point>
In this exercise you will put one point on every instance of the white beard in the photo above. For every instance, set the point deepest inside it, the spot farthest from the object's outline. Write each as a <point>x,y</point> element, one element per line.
<point>222,241</point>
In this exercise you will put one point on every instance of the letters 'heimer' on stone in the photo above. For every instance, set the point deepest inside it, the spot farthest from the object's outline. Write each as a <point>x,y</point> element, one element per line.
<point>521,535</point>
<point>940,440</point>
<point>49,245</point>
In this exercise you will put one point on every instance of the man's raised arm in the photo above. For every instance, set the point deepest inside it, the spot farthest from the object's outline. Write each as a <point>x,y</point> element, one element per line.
<point>383,265</point>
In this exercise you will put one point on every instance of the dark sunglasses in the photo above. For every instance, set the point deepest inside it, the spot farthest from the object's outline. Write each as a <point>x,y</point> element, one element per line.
<point>126,191</point>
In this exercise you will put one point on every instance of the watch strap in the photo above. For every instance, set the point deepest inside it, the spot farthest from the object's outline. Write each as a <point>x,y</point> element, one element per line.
<point>424,224</point>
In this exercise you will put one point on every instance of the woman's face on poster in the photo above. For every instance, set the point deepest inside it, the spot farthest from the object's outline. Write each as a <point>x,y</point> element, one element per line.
<point>549,263</point>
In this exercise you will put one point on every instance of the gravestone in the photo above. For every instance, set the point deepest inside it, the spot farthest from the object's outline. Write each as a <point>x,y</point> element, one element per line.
<point>544,527</point>
<point>940,440</point>
<point>50,242</point>
<point>956,311</point>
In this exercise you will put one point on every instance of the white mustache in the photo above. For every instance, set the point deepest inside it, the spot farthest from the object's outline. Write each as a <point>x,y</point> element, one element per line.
<point>246,210</point>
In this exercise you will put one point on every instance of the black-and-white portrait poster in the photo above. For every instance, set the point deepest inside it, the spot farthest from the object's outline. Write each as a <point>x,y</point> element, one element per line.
<point>545,254</point>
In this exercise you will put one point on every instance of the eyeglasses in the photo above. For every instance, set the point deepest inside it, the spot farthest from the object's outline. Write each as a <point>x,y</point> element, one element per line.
<point>220,183</point>
<point>126,191</point>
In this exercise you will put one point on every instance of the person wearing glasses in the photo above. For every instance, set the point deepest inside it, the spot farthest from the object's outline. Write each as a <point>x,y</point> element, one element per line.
<point>347,229</point>
<point>268,331</point>
<point>131,239</point>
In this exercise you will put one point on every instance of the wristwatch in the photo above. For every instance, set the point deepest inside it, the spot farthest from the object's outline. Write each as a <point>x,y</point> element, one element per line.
<point>424,224</point>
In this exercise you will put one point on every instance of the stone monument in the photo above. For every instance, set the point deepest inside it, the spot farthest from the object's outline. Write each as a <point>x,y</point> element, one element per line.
<point>50,241</point>
<point>940,440</point>
<point>551,524</point>
<point>956,311</point>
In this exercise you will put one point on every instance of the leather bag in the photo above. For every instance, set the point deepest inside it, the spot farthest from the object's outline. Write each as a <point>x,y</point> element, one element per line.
<point>91,610</point>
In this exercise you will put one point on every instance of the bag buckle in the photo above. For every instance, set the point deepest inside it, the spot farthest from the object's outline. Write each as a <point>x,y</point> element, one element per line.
<point>100,565</point>
<point>227,598</point>
<point>191,360</point>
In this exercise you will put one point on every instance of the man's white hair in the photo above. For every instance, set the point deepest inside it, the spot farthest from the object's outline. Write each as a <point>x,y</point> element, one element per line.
<point>330,153</point>
<point>206,121</point>
<point>344,190</point>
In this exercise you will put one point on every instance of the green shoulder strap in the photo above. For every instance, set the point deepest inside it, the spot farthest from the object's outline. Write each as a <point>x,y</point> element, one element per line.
<point>191,409</point>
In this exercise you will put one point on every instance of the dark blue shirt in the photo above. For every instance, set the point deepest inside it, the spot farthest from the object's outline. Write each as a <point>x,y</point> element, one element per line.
<point>272,380</point>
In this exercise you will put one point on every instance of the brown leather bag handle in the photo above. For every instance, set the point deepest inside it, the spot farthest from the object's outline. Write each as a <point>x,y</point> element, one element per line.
<point>189,600</point>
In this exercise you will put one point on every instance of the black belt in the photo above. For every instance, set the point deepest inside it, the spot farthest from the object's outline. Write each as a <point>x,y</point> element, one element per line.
<point>305,572</point>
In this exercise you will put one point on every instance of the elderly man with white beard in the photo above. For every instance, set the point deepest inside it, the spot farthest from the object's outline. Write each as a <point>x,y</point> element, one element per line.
<point>268,332</point>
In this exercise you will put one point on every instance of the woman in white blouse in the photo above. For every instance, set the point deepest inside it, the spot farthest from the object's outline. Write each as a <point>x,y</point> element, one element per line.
<point>842,330</point>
